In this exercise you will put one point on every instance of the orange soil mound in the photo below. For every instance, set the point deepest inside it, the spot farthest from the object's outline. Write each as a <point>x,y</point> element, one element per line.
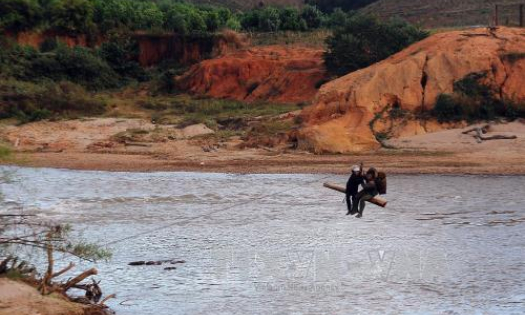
<point>412,79</point>
<point>271,73</point>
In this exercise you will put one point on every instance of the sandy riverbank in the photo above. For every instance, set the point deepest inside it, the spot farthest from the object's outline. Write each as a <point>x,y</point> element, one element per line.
<point>88,145</point>
<point>19,298</point>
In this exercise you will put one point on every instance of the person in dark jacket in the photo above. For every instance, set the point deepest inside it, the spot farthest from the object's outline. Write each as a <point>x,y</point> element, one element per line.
<point>352,186</point>
<point>368,192</point>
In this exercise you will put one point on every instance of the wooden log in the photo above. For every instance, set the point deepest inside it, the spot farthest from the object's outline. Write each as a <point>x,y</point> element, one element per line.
<point>376,200</point>
<point>79,278</point>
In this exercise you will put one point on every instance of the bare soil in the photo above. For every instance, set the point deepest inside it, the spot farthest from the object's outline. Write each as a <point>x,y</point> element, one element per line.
<point>111,144</point>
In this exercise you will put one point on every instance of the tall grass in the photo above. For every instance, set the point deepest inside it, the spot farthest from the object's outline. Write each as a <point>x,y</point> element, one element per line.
<point>313,39</point>
<point>186,110</point>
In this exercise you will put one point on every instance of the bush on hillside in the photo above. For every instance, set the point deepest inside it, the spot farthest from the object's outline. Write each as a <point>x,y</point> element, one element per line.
<point>474,99</point>
<point>19,15</point>
<point>71,16</point>
<point>364,40</point>
<point>30,102</point>
<point>346,5</point>
<point>121,53</point>
<point>312,16</point>
<point>79,65</point>
<point>291,20</point>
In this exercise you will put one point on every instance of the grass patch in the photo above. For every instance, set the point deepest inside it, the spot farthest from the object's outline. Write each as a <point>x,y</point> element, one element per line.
<point>28,101</point>
<point>5,153</point>
<point>184,110</point>
<point>314,39</point>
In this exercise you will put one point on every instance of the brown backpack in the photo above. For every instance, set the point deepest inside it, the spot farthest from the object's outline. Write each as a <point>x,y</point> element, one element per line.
<point>381,183</point>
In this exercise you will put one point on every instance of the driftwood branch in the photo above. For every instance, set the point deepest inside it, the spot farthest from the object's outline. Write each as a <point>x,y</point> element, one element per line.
<point>480,131</point>
<point>79,278</point>
<point>63,271</point>
<point>111,296</point>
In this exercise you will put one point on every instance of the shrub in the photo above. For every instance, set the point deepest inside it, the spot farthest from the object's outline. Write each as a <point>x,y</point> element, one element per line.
<point>336,19</point>
<point>79,65</point>
<point>114,14</point>
<point>364,40</point>
<point>447,108</point>
<point>19,15</point>
<point>346,5</point>
<point>121,53</point>
<point>30,102</point>
<point>5,153</point>
<point>290,20</point>
<point>312,16</point>
<point>71,16</point>
<point>269,20</point>
<point>474,99</point>
<point>147,16</point>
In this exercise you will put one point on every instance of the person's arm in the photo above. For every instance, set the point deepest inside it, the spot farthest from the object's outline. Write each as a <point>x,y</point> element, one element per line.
<point>369,186</point>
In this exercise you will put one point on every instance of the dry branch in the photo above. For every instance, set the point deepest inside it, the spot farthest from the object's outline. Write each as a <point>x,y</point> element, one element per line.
<point>63,271</point>
<point>111,296</point>
<point>79,278</point>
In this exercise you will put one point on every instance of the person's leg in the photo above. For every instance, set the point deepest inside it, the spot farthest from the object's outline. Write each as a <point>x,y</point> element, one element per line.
<point>355,202</point>
<point>349,204</point>
<point>362,203</point>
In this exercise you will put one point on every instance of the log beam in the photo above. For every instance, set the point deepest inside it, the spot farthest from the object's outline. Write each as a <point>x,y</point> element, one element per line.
<point>376,200</point>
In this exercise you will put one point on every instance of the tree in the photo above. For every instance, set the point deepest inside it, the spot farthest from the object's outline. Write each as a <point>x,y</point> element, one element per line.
<point>250,20</point>
<point>71,16</point>
<point>290,20</point>
<point>147,16</point>
<point>19,15</point>
<point>364,40</point>
<point>233,23</point>
<point>269,20</point>
<point>312,16</point>
<point>113,14</point>
<point>336,19</point>
<point>346,5</point>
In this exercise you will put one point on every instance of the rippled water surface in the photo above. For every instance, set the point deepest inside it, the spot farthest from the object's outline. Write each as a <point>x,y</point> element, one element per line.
<point>281,244</point>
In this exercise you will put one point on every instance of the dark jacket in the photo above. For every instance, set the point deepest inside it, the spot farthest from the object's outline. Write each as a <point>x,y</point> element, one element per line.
<point>353,184</point>
<point>370,188</point>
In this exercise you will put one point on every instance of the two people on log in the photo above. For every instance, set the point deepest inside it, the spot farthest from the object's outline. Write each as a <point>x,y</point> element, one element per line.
<point>355,200</point>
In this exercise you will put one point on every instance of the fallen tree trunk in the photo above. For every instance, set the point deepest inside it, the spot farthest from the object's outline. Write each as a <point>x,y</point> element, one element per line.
<point>376,200</point>
<point>79,278</point>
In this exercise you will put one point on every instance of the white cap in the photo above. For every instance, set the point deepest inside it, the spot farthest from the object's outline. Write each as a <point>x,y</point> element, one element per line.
<point>356,169</point>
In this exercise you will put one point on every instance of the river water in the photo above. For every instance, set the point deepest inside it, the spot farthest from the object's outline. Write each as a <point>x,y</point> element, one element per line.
<point>281,244</point>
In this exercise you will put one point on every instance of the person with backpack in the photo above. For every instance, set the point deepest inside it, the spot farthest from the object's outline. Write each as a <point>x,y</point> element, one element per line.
<point>368,192</point>
<point>352,186</point>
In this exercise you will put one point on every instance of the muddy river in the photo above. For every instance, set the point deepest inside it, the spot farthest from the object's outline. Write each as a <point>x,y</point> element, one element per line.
<point>282,244</point>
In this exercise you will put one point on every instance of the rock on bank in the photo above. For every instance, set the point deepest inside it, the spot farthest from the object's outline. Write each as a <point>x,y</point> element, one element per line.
<point>339,120</point>
<point>272,73</point>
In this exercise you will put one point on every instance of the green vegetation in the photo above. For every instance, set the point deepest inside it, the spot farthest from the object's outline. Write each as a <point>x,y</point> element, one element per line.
<point>346,5</point>
<point>30,102</point>
<point>473,99</point>
<point>184,110</point>
<point>110,66</point>
<point>95,17</point>
<point>5,153</point>
<point>363,40</point>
